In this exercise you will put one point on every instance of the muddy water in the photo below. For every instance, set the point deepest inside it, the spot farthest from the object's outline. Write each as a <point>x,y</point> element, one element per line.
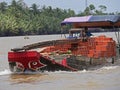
<point>104,78</point>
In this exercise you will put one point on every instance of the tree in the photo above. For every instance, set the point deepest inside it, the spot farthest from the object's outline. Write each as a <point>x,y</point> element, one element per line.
<point>34,8</point>
<point>92,8</point>
<point>3,6</point>
<point>22,4</point>
<point>103,8</point>
<point>14,3</point>
<point>89,10</point>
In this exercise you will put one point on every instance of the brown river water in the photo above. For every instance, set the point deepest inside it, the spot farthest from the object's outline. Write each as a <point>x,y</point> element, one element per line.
<point>103,78</point>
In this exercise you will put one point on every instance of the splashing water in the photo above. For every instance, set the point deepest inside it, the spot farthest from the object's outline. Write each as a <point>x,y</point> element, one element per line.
<point>109,67</point>
<point>5,72</point>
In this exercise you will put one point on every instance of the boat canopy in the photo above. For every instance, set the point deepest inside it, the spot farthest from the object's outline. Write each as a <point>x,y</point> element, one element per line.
<point>93,21</point>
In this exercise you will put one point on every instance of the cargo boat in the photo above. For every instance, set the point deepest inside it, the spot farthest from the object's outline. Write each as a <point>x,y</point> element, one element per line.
<point>80,50</point>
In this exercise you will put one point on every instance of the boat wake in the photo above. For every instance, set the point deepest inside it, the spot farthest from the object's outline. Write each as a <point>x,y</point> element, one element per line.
<point>104,68</point>
<point>5,72</point>
<point>109,67</point>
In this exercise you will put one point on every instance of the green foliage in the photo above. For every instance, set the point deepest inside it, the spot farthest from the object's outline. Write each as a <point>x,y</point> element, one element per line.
<point>19,19</point>
<point>91,10</point>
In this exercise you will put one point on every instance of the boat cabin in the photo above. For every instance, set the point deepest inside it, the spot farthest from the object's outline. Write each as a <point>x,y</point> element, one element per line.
<point>78,33</point>
<point>75,33</point>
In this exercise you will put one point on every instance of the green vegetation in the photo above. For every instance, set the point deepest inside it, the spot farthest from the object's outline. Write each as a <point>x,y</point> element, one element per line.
<point>19,19</point>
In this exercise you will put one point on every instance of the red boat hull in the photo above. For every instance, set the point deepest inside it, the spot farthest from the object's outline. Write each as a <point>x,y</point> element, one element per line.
<point>33,61</point>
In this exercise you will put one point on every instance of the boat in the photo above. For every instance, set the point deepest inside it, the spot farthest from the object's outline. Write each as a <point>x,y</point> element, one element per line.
<point>80,50</point>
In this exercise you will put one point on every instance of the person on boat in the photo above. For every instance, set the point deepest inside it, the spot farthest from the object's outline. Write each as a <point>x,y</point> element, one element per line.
<point>85,34</point>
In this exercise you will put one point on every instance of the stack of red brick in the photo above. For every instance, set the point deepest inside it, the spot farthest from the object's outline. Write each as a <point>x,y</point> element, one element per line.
<point>97,47</point>
<point>94,47</point>
<point>101,47</point>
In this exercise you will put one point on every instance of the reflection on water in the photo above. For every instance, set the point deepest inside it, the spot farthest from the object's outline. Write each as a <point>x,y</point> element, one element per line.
<point>26,78</point>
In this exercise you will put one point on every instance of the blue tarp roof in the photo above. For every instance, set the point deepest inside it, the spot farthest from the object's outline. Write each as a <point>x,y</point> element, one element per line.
<point>111,18</point>
<point>92,18</point>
